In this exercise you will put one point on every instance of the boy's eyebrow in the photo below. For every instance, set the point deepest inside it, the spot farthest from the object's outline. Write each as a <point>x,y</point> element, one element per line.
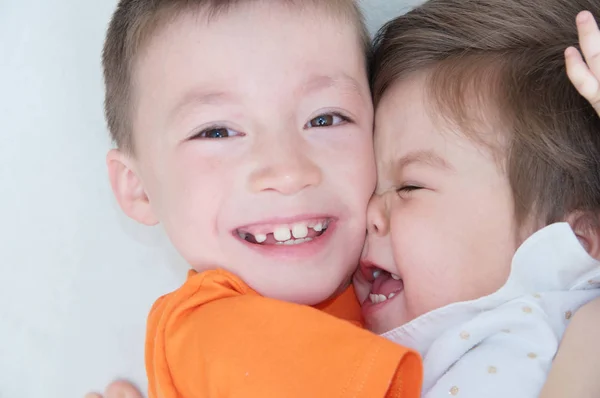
<point>342,80</point>
<point>427,157</point>
<point>314,83</point>
<point>200,97</point>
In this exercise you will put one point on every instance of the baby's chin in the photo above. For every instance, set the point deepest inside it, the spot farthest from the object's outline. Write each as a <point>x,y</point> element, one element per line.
<point>386,316</point>
<point>382,326</point>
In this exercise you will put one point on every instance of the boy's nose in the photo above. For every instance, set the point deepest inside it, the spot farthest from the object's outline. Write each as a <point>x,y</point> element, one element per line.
<point>378,216</point>
<point>286,170</point>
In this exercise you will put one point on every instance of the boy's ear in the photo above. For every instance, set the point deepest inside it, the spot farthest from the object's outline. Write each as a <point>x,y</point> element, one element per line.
<point>587,229</point>
<point>128,188</point>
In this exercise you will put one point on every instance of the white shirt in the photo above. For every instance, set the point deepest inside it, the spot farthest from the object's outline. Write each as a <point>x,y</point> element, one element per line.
<point>502,345</point>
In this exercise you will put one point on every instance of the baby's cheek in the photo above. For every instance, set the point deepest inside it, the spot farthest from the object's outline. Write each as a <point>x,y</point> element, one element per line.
<point>361,287</point>
<point>424,298</point>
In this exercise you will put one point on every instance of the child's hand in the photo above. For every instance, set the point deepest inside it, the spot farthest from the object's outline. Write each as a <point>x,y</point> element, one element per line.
<point>585,75</point>
<point>118,389</point>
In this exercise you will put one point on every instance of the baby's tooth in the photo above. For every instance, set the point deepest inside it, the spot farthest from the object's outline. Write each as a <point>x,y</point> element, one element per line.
<point>260,238</point>
<point>391,295</point>
<point>377,298</point>
<point>282,234</point>
<point>300,231</point>
<point>395,277</point>
<point>376,273</point>
<point>242,235</point>
<point>318,227</point>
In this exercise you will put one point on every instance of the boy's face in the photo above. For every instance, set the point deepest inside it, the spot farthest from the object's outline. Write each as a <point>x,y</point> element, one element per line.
<point>251,129</point>
<point>442,218</point>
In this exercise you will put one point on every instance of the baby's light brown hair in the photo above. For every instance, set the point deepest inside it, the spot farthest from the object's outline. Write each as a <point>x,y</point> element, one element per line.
<point>135,21</point>
<point>503,60</point>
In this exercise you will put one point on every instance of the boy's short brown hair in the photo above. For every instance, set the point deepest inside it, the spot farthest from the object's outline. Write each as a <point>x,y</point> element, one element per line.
<point>490,61</point>
<point>134,21</point>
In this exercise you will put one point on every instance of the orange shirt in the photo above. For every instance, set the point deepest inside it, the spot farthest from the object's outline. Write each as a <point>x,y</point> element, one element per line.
<point>216,337</point>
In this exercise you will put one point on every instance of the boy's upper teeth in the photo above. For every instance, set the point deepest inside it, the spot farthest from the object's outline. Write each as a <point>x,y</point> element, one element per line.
<point>260,238</point>
<point>395,277</point>
<point>299,231</point>
<point>283,233</point>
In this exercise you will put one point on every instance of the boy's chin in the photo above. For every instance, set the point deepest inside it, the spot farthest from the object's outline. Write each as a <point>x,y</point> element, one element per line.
<point>305,293</point>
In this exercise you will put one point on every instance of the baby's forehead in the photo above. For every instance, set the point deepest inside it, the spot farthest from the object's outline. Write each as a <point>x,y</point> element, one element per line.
<point>411,128</point>
<point>465,108</point>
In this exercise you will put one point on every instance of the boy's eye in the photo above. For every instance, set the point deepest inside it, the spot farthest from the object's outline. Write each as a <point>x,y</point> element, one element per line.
<point>327,120</point>
<point>216,133</point>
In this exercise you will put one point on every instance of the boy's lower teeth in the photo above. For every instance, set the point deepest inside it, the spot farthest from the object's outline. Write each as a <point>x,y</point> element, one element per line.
<point>294,241</point>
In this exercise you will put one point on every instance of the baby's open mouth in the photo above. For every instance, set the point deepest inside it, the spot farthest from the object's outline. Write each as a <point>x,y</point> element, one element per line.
<point>385,286</point>
<point>284,234</point>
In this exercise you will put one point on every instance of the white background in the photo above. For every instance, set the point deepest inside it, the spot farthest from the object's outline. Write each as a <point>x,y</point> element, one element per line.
<point>76,278</point>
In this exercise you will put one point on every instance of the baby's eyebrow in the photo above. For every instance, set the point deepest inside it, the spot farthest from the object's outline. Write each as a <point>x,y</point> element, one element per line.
<point>427,157</point>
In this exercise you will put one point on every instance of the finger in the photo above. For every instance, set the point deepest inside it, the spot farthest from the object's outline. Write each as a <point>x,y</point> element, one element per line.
<point>589,40</point>
<point>582,78</point>
<point>122,389</point>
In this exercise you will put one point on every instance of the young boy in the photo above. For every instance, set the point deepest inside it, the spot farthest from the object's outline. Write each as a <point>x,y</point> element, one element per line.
<point>484,232</point>
<point>244,128</point>
<point>573,369</point>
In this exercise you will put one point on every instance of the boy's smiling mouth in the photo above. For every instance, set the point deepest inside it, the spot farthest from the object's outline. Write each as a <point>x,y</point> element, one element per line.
<point>289,233</point>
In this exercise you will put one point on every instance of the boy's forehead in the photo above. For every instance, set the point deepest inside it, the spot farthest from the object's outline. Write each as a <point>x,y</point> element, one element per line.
<point>250,23</point>
<point>208,62</point>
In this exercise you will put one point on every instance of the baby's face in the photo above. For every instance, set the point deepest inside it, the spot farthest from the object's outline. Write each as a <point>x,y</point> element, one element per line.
<point>441,224</point>
<point>254,145</point>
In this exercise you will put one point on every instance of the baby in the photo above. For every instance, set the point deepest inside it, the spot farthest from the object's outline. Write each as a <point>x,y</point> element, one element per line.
<point>484,232</point>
